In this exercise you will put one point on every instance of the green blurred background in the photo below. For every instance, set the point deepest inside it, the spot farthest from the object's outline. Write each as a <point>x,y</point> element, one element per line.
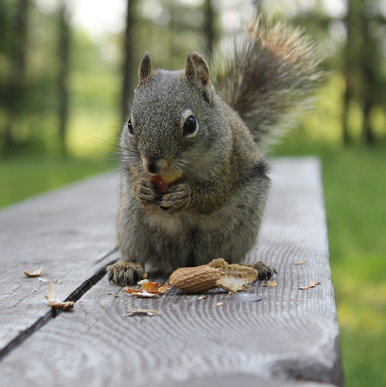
<point>67,70</point>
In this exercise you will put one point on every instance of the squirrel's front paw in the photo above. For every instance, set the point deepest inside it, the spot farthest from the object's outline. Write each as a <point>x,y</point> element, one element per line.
<point>177,198</point>
<point>146,192</point>
<point>124,273</point>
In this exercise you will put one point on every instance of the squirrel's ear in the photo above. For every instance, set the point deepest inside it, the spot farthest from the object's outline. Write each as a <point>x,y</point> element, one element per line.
<point>196,69</point>
<point>145,70</point>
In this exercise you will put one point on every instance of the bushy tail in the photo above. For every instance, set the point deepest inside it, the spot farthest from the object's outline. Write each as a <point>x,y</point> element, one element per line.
<point>269,75</point>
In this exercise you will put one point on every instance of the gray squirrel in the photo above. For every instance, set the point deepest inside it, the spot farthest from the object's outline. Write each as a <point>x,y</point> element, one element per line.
<point>194,177</point>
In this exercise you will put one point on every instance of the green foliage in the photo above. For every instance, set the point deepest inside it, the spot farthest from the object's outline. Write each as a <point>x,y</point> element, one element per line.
<point>176,24</point>
<point>23,177</point>
<point>28,95</point>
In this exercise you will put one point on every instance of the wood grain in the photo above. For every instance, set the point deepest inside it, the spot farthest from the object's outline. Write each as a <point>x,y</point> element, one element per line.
<point>289,338</point>
<point>65,231</point>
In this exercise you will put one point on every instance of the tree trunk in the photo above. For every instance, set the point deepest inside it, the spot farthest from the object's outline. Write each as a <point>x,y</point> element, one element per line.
<point>369,60</point>
<point>209,28</point>
<point>351,66</point>
<point>128,54</point>
<point>15,89</point>
<point>368,133</point>
<point>348,96</point>
<point>63,67</point>
<point>173,35</point>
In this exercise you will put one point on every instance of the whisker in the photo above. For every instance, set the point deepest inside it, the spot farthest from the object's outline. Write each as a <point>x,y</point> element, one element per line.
<point>184,165</point>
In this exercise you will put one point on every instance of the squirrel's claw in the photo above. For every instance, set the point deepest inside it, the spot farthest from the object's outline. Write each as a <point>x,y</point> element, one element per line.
<point>265,272</point>
<point>176,199</point>
<point>146,193</point>
<point>124,273</point>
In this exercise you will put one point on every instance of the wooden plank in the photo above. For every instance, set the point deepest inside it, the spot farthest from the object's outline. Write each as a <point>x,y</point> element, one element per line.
<point>288,338</point>
<point>65,231</point>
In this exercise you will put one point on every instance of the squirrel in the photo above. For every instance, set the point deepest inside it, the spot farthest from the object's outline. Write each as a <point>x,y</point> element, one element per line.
<point>206,135</point>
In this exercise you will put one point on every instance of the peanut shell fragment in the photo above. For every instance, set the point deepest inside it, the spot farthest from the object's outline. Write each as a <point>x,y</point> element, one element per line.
<point>56,304</point>
<point>34,273</point>
<point>234,277</point>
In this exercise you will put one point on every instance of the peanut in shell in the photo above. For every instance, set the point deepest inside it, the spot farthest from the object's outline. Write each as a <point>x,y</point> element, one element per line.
<point>195,279</point>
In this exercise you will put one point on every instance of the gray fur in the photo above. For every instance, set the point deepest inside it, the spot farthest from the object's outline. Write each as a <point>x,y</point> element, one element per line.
<point>215,208</point>
<point>268,76</point>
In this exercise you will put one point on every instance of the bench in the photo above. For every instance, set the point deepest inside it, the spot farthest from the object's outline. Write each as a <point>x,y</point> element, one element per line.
<point>289,338</point>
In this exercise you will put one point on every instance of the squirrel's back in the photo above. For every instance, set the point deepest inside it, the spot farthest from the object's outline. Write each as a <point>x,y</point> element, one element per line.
<point>268,75</point>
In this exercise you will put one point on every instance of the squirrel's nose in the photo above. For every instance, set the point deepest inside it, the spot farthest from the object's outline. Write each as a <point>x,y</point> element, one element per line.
<point>152,165</point>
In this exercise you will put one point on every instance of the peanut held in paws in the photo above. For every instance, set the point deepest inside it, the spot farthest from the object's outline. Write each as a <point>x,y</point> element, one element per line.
<point>172,178</point>
<point>161,185</point>
<point>162,182</point>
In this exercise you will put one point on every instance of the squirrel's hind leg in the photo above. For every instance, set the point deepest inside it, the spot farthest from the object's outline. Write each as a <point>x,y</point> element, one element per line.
<point>125,273</point>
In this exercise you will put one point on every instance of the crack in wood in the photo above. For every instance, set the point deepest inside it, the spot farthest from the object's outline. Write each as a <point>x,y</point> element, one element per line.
<point>87,285</point>
<point>104,256</point>
<point>53,313</point>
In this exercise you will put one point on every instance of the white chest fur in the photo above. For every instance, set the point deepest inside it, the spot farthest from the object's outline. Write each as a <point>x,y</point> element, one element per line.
<point>168,223</point>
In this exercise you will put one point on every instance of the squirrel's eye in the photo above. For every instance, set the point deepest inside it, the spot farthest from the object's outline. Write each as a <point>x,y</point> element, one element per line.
<point>190,127</point>
<point>130,127</point>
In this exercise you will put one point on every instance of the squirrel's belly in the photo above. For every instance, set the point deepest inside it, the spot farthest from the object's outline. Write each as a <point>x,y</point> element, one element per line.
<point>223,218</point>
<point>165,222</point>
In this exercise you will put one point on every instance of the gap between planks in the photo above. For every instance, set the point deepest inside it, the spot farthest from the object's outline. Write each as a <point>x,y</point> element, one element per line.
<point>53,313</point>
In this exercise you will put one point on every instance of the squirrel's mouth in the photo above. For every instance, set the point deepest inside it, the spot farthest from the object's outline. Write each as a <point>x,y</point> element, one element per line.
<point>171,178</point>
<point>162,168</point>
<point>167,178</point>
<point>162,182</point>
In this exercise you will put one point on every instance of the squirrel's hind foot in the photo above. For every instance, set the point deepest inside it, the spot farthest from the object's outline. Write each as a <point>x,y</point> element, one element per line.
<point>265,272</point>
<point>124,273</point>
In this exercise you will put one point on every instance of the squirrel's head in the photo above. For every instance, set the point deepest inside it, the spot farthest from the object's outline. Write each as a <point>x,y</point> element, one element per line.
<point>174,124</point>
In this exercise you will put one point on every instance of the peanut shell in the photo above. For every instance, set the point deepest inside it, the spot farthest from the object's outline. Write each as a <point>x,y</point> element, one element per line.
<point>195,279</point>
<point>235,270</point>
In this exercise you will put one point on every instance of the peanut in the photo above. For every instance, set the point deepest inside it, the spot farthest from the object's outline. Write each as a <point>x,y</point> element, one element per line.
<point>171,178</point>
<point>162,182</point>
<point>195,279</point>
<point>161,185</point>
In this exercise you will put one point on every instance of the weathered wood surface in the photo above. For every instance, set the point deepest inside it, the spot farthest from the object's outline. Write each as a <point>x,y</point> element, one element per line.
<point>66,232</point>
<point>287,339</point>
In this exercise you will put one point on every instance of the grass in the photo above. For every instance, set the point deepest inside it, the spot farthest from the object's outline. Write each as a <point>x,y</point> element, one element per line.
<point>22,178</point>
<point>354,188</point>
